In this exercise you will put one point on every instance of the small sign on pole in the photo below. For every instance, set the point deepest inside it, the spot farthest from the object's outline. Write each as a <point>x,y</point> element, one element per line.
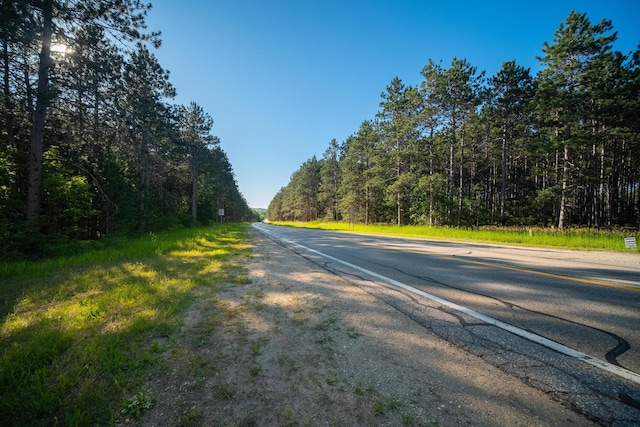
<point>630,242</point>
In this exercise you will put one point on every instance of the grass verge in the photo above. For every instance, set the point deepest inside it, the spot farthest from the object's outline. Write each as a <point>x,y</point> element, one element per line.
<point>79,334</point>
<point>587,239</point>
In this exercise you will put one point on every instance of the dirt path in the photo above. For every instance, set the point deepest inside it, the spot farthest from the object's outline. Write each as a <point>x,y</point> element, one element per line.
<point>301,346</point>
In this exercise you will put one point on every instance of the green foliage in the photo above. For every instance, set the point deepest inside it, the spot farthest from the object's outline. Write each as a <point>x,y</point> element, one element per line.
<point>560,149</point>
<point>113,155</point>
<point>79,335</point>
<point>67,198</point>
<point>299,201</point>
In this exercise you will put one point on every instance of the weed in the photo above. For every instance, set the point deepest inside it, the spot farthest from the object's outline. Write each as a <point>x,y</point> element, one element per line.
<point>408,420</point>
<point>324,339</point>
<point>248,420</point>
<point>240,279</point>
<point>393,405</point>
<point>255,349</point>
<point>225,391</point>
<point>192,417</point>
<point>330,323</point>
<point>325,400</point>
<point>135,406</point>
<point>351,332</point>
<point>198,382</point>
<point>283,359</point>
<point>254,370</point>
<point>287,364</point>
<point>381,408</point>
<point>286,417</point>
<point>319,307</point>
<point>155,347</point>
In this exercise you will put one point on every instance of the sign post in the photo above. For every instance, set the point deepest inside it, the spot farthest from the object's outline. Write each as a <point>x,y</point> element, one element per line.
<point>221,214</point>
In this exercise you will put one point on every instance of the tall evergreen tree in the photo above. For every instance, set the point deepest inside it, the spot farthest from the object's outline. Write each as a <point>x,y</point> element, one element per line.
<point>457,94</point>
<point>511,90</point>
<point>146,86</point>
<point>398,130</point>
<point>123,19</point>
<point>357,184</point>
<point>195,127</point>
<point>565,91</point>
<point>330,176</point>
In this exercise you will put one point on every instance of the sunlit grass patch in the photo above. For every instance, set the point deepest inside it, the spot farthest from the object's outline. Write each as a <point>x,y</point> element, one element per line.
<point>77,334</point>
<point>527,236</point>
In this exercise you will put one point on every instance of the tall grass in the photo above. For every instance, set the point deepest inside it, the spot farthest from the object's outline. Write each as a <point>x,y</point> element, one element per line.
<point>587,239</point>
<point>78,334</point>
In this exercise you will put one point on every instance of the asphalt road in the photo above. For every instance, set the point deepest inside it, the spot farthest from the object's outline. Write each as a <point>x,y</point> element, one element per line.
<point>586,301</point>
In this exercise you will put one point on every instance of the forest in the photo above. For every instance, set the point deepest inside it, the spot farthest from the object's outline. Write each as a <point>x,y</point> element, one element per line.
<point>91,144</point>
<point>560,148</point>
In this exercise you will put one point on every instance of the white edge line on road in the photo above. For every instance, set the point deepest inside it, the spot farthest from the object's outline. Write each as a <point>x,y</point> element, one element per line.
<point>563,349</point>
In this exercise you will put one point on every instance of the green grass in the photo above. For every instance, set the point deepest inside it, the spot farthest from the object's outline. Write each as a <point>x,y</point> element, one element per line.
<point>79,334</point>
<point>587,239</point>
<point>256,349</point>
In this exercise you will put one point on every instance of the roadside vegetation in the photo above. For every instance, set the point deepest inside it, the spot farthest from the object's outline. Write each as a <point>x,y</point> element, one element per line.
<point>79,334</point>
<point>587,239</point>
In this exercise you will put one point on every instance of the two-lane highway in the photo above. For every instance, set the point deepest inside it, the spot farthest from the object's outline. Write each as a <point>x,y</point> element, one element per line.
<point>586,301</point>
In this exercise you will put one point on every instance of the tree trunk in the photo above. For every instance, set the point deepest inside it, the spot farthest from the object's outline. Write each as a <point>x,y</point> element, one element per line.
<point>461,181</point>
<point>194,185</point>
<point>503,184</point>
<point>602,194</point>
<point>40,115</point>
<point>398,194</point>
<point>144,182</point>
<point>431,189</point>
<point>563,196</point>
<point>366,205</point>
<point>398,203</point>
<point>8,103</point>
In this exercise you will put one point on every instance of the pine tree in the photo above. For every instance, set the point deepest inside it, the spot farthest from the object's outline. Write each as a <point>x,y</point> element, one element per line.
<point>123,19</point>
<point>511,90</point>
<point>146,85</point>
<point>565,91</point>
<point>330,176</point>
<point>398,131</point>
<point>195,127</point>
<point>357,185</point>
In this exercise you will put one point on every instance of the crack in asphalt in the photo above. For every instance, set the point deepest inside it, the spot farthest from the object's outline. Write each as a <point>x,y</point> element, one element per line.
<point>611,356</point>
<point>541,374</point>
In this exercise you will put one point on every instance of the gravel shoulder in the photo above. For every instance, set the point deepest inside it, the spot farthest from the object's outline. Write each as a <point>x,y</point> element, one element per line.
<point>298,345</point>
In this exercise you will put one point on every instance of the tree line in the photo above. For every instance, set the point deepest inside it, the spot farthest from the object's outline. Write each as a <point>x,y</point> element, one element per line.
<point>90,142</point>
<point>561,148</point>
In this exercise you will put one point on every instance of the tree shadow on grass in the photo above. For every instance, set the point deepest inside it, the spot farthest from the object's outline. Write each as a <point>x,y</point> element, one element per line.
<point>77,342</point>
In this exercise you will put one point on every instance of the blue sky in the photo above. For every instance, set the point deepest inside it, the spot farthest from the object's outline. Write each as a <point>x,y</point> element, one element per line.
<point>281,78</point>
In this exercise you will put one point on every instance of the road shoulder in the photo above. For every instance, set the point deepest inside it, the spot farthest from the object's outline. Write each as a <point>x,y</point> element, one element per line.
<point>299,345</point>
